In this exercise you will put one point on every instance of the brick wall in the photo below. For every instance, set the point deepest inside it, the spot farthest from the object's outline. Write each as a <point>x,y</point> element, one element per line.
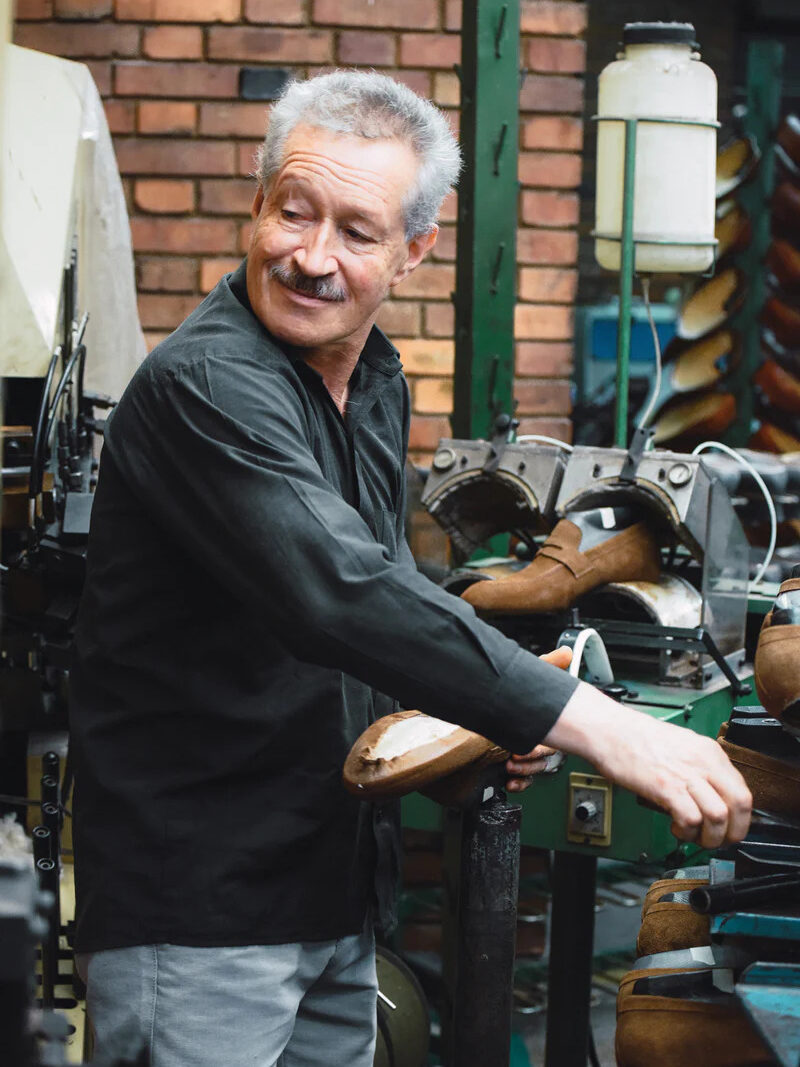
<point>168,71</point>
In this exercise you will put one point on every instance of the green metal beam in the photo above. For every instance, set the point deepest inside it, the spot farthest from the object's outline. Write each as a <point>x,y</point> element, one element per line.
<point>487,216</point>
<point>764,69</point>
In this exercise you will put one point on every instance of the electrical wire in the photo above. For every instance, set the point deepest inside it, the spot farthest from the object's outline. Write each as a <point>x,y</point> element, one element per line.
<point>545,440</point>
<point>773,518</point>
<point>657,347</point>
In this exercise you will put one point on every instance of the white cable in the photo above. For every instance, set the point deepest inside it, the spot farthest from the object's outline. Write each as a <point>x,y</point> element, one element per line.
<point>657,387</point>
<point>546,440</point>
<point>773,518</point>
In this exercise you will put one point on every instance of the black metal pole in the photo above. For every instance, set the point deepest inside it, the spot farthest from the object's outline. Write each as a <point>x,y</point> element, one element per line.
<point>487,924</point>
<point>570,971</point>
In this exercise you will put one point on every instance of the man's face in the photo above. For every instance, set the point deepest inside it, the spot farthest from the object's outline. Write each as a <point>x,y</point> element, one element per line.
<point>328,241</point>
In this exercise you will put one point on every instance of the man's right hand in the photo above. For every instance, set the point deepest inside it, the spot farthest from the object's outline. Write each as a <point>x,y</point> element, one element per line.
<point>687,774</point>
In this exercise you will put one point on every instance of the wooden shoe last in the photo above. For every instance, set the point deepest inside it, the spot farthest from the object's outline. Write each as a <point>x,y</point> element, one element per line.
<point>560,572</point>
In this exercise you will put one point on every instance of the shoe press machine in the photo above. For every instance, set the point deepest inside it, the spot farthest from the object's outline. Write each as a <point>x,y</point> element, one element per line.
<point>676,651</point>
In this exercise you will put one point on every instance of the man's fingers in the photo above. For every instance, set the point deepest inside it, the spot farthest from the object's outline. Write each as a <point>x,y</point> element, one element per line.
<point>559,657</point>
<point>732,788</point>
<point>714,811</point>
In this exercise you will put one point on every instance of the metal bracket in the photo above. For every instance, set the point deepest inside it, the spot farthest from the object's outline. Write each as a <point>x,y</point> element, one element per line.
<point>641,438</point>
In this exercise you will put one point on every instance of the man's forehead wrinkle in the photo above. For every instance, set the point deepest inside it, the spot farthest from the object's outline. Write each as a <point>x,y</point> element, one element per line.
<point>363,178</point>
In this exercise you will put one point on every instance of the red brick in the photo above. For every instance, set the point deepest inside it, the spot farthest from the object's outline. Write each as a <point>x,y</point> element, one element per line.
<point>433,396</point>
<point>429,280</point>
<point>548,285</point>
<point>79,41</point>
<point>560,429</point>
<point>553,131</point>
<point>549,55</point>
<point>155,337</point>
<point>553,247</point>
<point>252,43</point>
<point>285,13</point>
<point>170,155</point>
<point>227,197</point>
<point>452,15</point>
<point>564,17</point>
<point>211,270</point>
<point>27,10</point>
<point>191,80</point>
<point>166,116</point>
<point>427,431</point>
<point>399,318</point>
<point>545,322</point>
<point>82,9</point>
<point>165,311</point>
<point>446,90</point>
<point>554,169</point>
<point>403,14</point>
<point>176,274</point>
<point>234,119</point>
<point>120,115</point>
<point>449,212</point>
<point>173,42</point>
<point>439,320</point>
<point>361,49</point>
<point>417,80</point>
<point>429,50</point>
<point>425,355</point>
<point>551,92</point>
<point>213,236</point>
<point>178,10</point>
<point>243,239</point>
<point>543,207</point>
<point>100,69</point>
<point>445,247</point>
<point>164,197</point>
<point>246,158</point>
<point>544,359</point>
<point>538,396</point>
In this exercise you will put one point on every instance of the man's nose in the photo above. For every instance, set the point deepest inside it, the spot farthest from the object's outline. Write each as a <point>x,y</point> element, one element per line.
<point>315,255</point>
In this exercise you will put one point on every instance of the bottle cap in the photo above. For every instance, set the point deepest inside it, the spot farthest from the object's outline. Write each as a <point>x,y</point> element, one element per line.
<point>659,33</point>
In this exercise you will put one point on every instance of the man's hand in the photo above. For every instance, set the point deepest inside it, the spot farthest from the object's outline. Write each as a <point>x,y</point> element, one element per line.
<point>688,775</point>
<point>522,768</point>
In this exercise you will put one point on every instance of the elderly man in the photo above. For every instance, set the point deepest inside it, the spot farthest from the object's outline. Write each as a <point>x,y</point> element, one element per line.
<point>252,606</point>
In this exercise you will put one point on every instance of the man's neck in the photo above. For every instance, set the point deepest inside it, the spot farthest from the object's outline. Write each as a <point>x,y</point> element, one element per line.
<point>335,365</point>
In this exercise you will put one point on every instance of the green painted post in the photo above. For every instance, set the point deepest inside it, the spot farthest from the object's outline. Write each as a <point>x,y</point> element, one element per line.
<point>487,216</point>
<point>626,267</point>
<point>764,69</point>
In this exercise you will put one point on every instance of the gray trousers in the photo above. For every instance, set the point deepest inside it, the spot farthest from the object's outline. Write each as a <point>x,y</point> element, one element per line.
<point>311,1004</point>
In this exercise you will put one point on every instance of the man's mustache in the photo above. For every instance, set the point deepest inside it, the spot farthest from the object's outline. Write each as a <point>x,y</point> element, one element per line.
<point>321,288</point>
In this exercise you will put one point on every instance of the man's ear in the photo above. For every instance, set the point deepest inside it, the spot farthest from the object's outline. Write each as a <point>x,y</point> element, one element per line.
<point>418,248</point>
<point>258,200</point>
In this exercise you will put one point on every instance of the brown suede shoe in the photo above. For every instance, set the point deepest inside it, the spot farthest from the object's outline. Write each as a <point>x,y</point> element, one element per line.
<point>776,668</point>
<point>560,572</point>
<point>665,886</point>
<point>669,925</point>
<point>774,783</point>
<point>666,1031</point>
<point>408,750</point>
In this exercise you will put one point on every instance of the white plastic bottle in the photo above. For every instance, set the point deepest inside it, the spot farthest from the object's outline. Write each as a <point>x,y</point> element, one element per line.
<point>658,75</point>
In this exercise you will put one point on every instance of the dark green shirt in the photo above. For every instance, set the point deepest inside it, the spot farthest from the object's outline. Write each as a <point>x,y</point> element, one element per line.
<point>250,607</point>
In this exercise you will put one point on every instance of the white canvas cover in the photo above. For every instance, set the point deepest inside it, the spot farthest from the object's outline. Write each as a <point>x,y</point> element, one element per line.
<point>61,186</point>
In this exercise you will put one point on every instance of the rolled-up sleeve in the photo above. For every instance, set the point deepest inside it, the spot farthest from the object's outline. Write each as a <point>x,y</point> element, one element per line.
<point>245,496</point>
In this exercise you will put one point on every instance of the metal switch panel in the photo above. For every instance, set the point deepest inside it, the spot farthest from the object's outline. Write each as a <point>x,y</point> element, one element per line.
<point>589,815</point>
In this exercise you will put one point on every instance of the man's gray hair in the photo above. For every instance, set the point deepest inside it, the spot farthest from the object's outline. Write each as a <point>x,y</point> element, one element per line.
<point>371,105</point>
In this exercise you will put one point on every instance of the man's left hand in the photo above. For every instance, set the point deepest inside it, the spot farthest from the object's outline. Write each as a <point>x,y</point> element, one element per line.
<point>522,768</point>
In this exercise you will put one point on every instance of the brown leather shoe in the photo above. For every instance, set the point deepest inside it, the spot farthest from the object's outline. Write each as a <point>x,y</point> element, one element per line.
<point>671,1031</point>
<point>712,304</point>
<point>783,320</point>
<point>783,260</point>
<point>736,161</point>
<point>409,750</point>
<point>732,229</point>
<point>695,418</point>
<point>776,668</point>
<point>577,557</point>
<point>786,211</point>
<point>769,438</point>
<point>779,386</point>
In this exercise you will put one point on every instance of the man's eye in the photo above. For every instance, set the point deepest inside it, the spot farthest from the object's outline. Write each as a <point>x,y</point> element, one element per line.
<point>357,235</point>
<point>290,215</point>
